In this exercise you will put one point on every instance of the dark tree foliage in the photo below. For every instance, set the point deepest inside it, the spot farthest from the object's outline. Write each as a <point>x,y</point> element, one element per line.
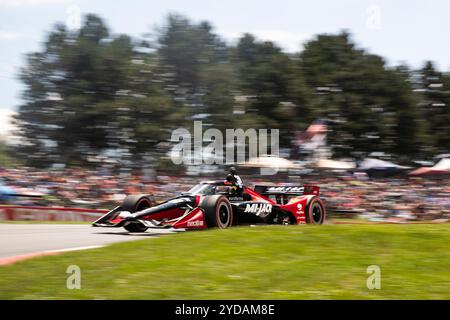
<point>273,86</point>
<point>93,93</point>
<point>433,88</point>
<point>88,92</point>
<point>369,106</point>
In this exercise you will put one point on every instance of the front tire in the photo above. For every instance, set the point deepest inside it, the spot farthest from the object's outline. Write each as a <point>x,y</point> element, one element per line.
<point>315,212</point>
<point>218,211</point>
<point>135,227</point>
<point>135,203</point>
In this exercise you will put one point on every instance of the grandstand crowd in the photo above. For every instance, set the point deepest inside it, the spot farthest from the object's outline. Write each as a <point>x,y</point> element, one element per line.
<point>398,199</point>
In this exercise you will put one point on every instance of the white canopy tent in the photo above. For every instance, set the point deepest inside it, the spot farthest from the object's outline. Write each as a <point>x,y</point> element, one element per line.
<point>440,168</point>
<point>444,164</point>
<point>378,164</point>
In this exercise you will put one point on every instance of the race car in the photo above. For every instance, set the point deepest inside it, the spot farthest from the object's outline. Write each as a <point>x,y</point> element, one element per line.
<point>216,204</point>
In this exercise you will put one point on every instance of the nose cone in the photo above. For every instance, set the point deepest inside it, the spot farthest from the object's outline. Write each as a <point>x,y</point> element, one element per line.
<point>124,214</point>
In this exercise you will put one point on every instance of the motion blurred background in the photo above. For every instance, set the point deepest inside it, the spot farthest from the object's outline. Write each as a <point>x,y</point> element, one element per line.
<point>90,99</point>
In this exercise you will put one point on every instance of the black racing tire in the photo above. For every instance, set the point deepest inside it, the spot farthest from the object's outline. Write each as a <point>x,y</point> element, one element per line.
<point>315,212</point>
<point>134,203</point>
<point>218,211</point>
<point>135,227</point>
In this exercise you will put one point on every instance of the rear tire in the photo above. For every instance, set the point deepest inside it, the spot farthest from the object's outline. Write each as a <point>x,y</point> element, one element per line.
<point>218,211</point>
<point>135,203</point>
<point>315,212</point>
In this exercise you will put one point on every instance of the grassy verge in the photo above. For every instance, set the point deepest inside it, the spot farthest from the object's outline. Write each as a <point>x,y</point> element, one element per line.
<point>270,262</point>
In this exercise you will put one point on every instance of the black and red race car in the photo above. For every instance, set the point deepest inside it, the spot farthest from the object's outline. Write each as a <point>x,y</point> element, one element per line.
<point>215,204</point>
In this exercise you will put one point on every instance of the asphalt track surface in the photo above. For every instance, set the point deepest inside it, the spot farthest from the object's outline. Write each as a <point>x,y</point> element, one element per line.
<point>23,239</point>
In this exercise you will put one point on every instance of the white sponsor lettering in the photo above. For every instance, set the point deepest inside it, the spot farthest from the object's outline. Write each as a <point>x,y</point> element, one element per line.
<point>285,189</point>
<point>258,208</point>
<point>197,223</point>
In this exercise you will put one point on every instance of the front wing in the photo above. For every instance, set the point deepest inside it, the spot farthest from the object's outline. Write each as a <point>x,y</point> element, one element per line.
<point>191,219</point>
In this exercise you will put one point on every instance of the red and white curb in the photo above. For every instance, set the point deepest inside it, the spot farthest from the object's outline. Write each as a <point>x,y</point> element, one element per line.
<point>13,259</point>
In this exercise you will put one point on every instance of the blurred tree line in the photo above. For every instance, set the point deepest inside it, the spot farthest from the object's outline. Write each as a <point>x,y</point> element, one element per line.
<point>90,93</point>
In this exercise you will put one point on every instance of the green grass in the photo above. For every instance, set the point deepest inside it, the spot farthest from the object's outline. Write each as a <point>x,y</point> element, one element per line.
<point>270,262</point>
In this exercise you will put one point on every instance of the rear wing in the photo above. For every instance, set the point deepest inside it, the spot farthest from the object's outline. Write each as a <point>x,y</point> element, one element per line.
<point>287,190</point>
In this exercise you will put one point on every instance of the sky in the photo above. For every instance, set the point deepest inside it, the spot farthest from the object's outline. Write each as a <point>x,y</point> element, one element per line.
<point>402,31</point>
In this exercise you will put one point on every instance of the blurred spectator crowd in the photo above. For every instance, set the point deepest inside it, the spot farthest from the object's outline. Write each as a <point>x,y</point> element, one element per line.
<point>388,199</point>
<point>382,199</point>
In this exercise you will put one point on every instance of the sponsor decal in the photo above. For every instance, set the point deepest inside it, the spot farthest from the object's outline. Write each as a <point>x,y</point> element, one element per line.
<point>197,223</point>
<point>285,189</point>
<point>258,208</point>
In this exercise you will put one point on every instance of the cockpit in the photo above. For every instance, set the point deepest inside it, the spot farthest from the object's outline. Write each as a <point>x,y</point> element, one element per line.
<point>207,189</point>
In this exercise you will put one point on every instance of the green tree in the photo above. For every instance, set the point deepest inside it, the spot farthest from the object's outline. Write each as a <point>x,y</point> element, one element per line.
<point>273,86</point>
<point>7,158</point>
<point>195,62</point>
<point>88,92</point>
<point>434,90</point>
<point>369,106</point>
